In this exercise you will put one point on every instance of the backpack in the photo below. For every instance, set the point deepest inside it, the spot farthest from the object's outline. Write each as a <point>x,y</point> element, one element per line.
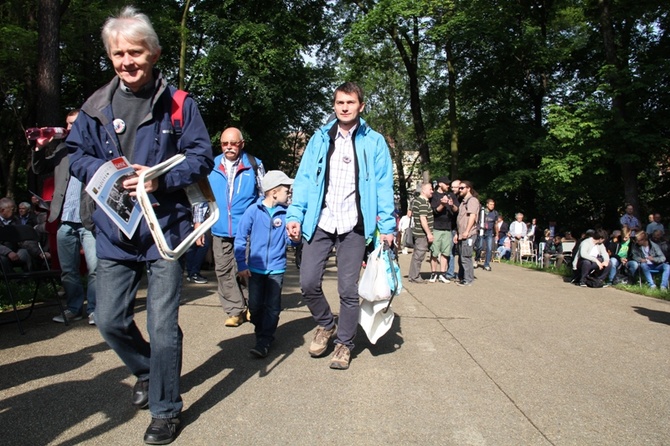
<point>593,282</point>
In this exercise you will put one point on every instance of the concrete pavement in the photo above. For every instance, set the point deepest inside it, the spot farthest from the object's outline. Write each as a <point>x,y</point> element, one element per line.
<point>520,358</point>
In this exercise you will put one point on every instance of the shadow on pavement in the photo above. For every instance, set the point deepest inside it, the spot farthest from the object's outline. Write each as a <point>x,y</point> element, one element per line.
<point>55,408</point>
<point>21,372</point>
<point>289,337</point>
<point>662,317</point>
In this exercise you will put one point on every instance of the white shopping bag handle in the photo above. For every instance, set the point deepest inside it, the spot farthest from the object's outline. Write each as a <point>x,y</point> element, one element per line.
<point>147,209</point>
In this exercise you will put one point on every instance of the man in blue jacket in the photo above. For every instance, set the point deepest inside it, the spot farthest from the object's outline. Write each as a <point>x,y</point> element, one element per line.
<point>235,183</point>
<point>342,192</point>
<point>131,117</point>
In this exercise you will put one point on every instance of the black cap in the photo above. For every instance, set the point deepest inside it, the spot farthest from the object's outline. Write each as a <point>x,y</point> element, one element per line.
<point>444,180</point>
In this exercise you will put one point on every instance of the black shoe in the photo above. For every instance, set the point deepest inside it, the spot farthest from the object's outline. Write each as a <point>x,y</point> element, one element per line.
<point>161,431</point>
<point>196,278</point>
<point>141,394</point>
<point>260,351</point>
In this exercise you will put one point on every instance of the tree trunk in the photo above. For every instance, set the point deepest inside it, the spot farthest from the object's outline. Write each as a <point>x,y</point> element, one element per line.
<point>411,61</point>
<point>182,50</point>
<point>48,72</point>
<point>453,117</point>
<point>629,171</point>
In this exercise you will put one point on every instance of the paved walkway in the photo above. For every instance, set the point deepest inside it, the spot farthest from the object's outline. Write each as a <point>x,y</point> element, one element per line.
<point>520,358</point>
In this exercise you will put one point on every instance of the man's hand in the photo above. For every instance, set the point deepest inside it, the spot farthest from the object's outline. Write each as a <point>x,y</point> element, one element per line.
<point>200,241</point>
<point>294,230</point>
<point>244,275</point>
<point>131,182</point>
<point>42,142</point>
<point>14,257</point>
<point>388,238</point>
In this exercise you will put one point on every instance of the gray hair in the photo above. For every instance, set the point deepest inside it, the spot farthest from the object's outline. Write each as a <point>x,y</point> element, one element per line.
<point>133,26</point>
<point>7,202</point>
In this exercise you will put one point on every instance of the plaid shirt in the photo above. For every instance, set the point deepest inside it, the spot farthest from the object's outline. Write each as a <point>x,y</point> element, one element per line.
<point>340,213</point>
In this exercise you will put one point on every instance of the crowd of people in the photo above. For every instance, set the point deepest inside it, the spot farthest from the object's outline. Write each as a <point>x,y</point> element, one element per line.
<point>446,214</point>
<point>342,198</point>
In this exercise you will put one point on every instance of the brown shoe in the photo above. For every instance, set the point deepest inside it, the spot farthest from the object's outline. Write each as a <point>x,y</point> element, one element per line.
<point>235,321</point>
<point>320,342</point>
<point>341,357</point>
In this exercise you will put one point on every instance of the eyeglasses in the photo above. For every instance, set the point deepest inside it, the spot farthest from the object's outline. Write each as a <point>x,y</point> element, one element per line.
<point>462,188</point>
<point>231,143</point>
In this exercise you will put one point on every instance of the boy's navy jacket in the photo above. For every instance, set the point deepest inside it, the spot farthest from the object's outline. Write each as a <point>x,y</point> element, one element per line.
<point>267,239</point>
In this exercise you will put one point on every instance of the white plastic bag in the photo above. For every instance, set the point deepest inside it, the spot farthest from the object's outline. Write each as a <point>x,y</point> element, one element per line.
<point>374,285</point>
<point>376,319</point>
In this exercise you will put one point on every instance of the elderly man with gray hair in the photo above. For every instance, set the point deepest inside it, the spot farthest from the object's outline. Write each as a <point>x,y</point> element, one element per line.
<point>131,117</point>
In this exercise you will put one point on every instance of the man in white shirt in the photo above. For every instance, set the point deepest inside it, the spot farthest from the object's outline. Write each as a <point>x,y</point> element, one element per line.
<point>517,232</point>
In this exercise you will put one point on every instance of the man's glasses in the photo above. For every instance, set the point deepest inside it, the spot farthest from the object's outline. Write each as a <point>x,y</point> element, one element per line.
<point>462,188</point>
<point>231,143</point>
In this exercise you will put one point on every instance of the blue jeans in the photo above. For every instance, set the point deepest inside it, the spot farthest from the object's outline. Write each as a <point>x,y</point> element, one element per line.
<point>615,265</point>
<point>196,255</point>
<point>160,362</point>
<point>649,268</point>
<point>265,305</point>
<point>315,253</point>
<point>451,268</point>
<point>71,237</point>
<point>488,245</point>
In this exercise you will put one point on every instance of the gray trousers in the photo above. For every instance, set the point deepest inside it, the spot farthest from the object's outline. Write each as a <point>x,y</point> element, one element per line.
<point>230,295</point>
<point>350,251</point>
<point>466,249</point>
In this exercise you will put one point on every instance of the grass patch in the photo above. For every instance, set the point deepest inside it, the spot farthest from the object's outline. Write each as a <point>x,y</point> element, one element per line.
<point>564,271</point>
<point>23,293</point>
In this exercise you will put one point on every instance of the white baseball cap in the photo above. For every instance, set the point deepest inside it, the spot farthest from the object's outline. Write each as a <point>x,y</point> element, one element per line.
<point>275,178</point>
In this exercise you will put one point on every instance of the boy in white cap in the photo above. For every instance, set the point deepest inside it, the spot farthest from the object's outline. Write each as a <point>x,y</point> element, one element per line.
<point>263,227</point>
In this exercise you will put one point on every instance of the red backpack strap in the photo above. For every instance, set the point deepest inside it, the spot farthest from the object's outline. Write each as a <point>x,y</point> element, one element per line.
<point>177,116</point>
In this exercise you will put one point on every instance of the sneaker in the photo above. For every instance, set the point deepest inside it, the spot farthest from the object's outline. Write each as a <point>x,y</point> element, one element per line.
<point>91,319</point>
<point>442,278</point>
<point>433,278</point>
<point>664,289</point>
<point>320,342</point>
<point>487,268</point>
<point>464,284</point>
<point>235,321</point>
<point>140,398</point>
<point>161,431</point>
<point>652,287</point>
<point>419,280</point>
<point>341,357</point>
<point>582,284</point>
<point>71,317</point>
<point>196,278</point>
<point>260,351</point>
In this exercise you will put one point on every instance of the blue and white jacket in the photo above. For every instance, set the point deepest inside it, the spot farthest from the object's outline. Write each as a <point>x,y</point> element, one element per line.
<point>374,183</point>
<point>93,141</point>
<point>245,193</point>
<point>267,238</point>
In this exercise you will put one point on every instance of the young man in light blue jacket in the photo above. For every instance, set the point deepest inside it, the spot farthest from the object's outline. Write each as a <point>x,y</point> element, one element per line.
<point>342,192</point>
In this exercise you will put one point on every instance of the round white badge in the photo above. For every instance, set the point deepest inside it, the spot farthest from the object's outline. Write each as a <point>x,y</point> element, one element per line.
<point>119,125</point>
<point>277,222</point>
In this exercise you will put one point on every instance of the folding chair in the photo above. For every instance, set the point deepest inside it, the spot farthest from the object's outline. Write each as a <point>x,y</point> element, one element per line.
<point>24,233</point>
<point>567,248</point>
<point>526,250</point>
